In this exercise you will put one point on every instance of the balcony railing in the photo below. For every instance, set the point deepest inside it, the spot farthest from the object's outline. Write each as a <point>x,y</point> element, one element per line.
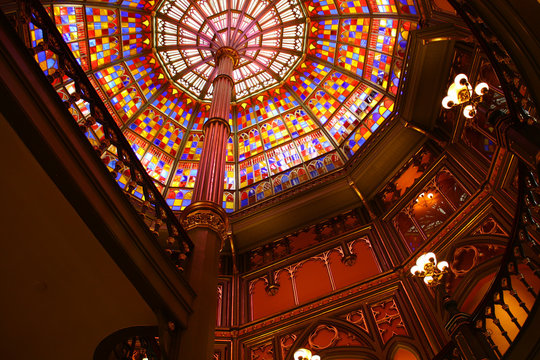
<point>506,308</point>
<point>152,207</point>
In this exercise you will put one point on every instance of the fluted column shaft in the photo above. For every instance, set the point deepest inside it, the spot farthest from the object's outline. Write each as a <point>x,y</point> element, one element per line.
<point>211,173</point>
<point>205,220</point>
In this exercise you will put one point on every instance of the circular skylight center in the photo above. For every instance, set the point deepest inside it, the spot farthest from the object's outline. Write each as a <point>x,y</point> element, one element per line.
<point>269,37</point>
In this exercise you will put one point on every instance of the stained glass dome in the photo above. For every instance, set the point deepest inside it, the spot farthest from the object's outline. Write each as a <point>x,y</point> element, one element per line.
<point>315,80</point>
<point>269,37</point>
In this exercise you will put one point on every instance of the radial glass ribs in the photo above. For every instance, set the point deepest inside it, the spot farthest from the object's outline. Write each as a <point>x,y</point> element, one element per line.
<point>269,37</point>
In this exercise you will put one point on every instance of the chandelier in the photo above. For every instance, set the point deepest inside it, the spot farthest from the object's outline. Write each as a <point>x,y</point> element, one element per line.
<point>461,93</point>
<point>305,354</point>
<point>427,267</point>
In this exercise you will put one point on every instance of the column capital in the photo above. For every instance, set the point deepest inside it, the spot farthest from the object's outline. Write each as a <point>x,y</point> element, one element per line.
<point>229,52</point>
<point>218,120</point>
<point>205,214</point>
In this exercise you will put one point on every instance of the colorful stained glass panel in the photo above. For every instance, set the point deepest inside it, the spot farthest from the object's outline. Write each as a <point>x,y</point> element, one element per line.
<point>147,73</point>
<point>249,144</point>
<point>157,164</point>
<point>283,158</point>
<point>313,145</point>
<point>353,6</point>
<point>355,32</point>
<point>383,35</point>
<point>325,29</point>
<point>341,124</point>
<point>407,7</point>
<point>351,58</point>
<point>127,102</point>
<point>228,202</point>
<point>70,22</point>
<point>169,138</point>
<point>147,124</point>
<point>179,199</point>
<point>255,193</point>
<point>363,100</point>
<point>288,179</point>
<point>378,68</point>
<point>274,133</point>
<point>112,79</point>
<point>176,106</point>
<point>193,147</point>
<point>299,123</point>
<point>323,49</point>
<point>230,177</point>
<point>253,170</point>
<point>383,6</point>
<point>323,105</point>
<point>185,175</point>
<point>307,77</point>
<point>137,144</point>
<point>101,22</point>
<point>103,51</point>
<point>403,36</point>
<point>339,85</point>
<point>322,7</point>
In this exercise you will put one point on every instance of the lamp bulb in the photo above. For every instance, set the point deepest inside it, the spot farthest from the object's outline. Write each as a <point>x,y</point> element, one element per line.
<point>428,279</point>
<point>461,80</point>
<point>481,88</point>
<point>415,269</point>
<point>302,354</point>
<point>420,262</point>
<point>443,265</point>
<point>315,357</point>
<point>469,111</point>
<point>448,102</point>
<point>430,257</point>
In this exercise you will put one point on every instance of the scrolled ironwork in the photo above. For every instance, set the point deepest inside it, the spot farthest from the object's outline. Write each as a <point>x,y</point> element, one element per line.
<point>506,307</point>
<point>177,245</point>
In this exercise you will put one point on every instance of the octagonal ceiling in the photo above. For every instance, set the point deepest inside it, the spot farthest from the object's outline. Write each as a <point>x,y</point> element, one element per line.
<point>315,80</point>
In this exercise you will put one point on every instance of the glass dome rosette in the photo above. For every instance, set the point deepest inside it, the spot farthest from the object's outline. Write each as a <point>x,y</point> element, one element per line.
<point>314,81</point>
<point>268,36</point>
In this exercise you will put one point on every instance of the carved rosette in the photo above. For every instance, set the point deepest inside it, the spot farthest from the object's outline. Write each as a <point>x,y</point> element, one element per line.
<point>205,214</point>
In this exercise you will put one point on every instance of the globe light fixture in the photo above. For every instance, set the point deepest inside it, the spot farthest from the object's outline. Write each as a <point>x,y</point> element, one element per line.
<point>427,268</point>
<point>461,92</point>
<point>305,354</point>
<point>424,196</point>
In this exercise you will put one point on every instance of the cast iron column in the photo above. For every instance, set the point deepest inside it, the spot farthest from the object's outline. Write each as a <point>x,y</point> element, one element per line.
<point>211,172</point>
<point>205,220</point>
